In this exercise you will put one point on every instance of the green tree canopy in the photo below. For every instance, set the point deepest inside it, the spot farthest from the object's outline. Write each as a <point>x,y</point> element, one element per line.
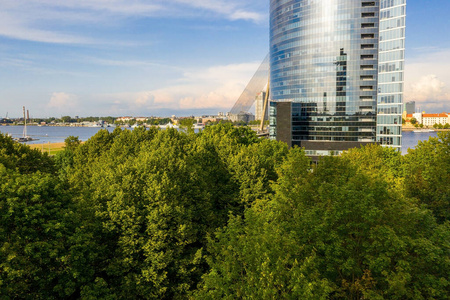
<point>167,214</point>
<point>17,156</point>
<point>427,175</point>
<point>332,231</point>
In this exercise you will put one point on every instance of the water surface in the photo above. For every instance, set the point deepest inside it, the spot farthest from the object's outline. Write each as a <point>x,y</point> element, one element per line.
<point>56,134</point>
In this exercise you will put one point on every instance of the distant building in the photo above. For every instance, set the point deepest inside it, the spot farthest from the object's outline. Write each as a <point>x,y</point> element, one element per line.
<point>408,117</point>
<point>431,119</point>
<point>418,117</point>
<point>410,107</point>
<point>242,117</point>
<point>259,106</point>
<point>124,119</point>
<point>207,119</point>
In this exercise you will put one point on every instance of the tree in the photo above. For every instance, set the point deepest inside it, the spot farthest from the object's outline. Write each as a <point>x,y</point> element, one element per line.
<point>108,119</point>
<point>386,164</point>
<point>150,198</point>
<point>340,233</point>
<point>254,258</point>
<point>17,156</point>
<point>36,224</point>
<point>428,176</point>
<point>188,124</point>
<point>164,214</point>
<point>413,121</point>
<point>72,142</point>
<point>66,119</point>
<point>164,121</point>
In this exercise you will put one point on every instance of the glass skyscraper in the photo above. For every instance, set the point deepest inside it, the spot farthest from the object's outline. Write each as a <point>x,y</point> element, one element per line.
<point>336,73</point>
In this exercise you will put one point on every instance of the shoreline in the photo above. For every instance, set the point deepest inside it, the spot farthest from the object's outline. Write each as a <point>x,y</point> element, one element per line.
<point>433,129</point>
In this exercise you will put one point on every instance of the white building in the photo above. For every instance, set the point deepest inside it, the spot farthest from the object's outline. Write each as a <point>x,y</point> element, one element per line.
<point>418,117</point>
<point>431,119</point>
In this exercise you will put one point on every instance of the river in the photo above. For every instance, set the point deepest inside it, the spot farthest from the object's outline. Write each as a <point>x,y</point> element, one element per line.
<point>52,134</point>
<point>56,134</point>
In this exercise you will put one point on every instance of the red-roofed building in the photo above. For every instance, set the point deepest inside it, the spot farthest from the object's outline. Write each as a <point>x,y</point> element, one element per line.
<point>431,119</point>
<point>407,117</point>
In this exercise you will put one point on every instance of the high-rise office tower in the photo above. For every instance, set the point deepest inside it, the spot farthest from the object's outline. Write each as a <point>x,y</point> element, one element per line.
<point>259,106</point>
<point>410,107</point>
<point>336,73</point>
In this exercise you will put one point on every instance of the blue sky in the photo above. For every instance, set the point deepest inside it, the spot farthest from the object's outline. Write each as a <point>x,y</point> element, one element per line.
<point>164,57</point>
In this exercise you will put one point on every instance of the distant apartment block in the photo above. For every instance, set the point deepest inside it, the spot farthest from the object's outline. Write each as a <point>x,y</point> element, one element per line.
<point>259,106</point>
<point>431,119</point>
<point>410,107</point>
<point>242,117</point>
<point>124,119</point>
<point>141,119</point>
<point>212,119</point>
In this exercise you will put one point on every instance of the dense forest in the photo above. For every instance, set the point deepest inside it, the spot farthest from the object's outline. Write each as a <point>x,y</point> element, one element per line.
<point>222,214</point>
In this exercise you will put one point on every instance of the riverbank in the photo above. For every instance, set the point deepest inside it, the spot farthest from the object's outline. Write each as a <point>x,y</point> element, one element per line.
<point>433,129</point>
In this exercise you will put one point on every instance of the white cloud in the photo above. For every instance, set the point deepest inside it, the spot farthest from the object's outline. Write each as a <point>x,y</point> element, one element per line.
<point>232,10</point>
<point>18,28</point>
<point>37,20</point>
<point>142,64</point>
<point>428,81</point>
<point>216,87</point>
<point>50,8</point>
<point>428,87</point>
<point>63,102</point>
<point>246,15</point>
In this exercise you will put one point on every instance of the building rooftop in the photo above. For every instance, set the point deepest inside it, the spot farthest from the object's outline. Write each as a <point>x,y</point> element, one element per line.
<point>441,115</point>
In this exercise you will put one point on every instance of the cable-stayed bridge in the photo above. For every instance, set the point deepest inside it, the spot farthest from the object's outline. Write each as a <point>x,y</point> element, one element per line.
<point>257,84</point>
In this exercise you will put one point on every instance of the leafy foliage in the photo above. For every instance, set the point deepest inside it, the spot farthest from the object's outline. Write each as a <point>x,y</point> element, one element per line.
<point>222,214</point>
<point>17,156</point>
<point>428,174</point>
<point>35,224</point>
<point>153,197</point>
<point>334,231</point>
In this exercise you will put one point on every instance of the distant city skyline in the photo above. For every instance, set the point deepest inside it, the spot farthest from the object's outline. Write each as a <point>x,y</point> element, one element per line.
<point>159,58</point>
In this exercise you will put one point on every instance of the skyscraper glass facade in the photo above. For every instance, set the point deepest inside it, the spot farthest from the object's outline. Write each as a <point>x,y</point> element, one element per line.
<point>390,72</point>
<point>325,61</point>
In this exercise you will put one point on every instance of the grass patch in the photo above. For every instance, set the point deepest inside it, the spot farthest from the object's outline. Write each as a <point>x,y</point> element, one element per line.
<point>50,148</point>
